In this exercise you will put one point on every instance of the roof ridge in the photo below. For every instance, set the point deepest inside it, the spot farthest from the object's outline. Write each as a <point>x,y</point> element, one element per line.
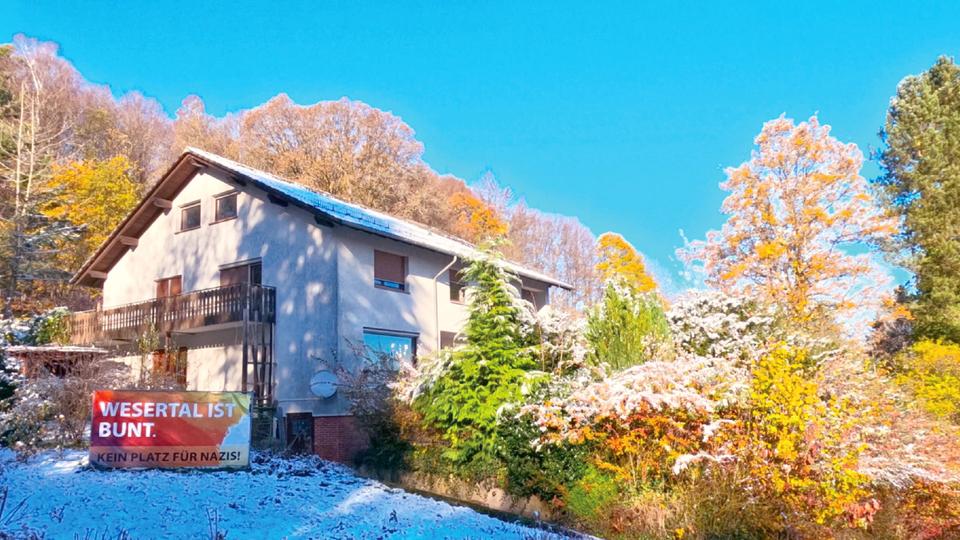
<point>325,193</point>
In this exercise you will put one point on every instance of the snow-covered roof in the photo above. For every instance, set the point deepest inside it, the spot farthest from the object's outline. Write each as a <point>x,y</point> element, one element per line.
<point>363,218</point>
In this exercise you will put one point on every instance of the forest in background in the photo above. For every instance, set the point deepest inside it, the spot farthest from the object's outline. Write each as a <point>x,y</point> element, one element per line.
<point>75,159</point>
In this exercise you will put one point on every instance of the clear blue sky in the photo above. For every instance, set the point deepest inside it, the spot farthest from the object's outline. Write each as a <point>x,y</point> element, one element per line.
<point>621,114</point>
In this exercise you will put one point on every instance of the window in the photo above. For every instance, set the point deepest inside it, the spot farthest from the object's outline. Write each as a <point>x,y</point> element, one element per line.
<point>170,286</point>
<point>225,207</point>
<point>190,216</point>
<point>251,273</point>
<point>397,346</point>
<point>530,296</point>
<point>171,365</point>
<point>447,339</point>
<point>458,289</point>
<point>389,271</point>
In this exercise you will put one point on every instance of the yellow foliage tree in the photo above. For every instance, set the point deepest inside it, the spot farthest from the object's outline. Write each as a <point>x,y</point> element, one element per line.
<point>793,209</point>
<point>618,259</point>
<point>94,195</point>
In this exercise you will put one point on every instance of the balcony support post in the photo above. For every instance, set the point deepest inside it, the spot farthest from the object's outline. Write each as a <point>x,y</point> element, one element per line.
<point>245,298</point>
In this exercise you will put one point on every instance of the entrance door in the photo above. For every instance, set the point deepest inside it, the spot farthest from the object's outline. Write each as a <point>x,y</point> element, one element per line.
<point>300,433</point>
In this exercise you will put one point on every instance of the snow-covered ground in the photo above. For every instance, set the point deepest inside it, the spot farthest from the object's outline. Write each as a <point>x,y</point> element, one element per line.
<point>276,498</point>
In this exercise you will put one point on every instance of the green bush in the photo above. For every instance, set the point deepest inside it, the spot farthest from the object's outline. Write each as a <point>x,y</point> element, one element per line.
<point>546,471</point>
<point>51,327</point>
<point>591,499</point>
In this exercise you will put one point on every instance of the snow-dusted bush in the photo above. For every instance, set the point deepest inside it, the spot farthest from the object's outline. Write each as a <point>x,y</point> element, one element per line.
<point>563,345</point>
<point>711,323</point>
<point>40,329</point>
<point>50,411</point>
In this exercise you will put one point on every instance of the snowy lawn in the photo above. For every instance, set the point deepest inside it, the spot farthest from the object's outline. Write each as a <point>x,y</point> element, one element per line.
<point>276,498</point>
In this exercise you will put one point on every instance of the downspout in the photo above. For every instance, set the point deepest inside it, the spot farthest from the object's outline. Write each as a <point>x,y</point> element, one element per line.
<point>436,299</point>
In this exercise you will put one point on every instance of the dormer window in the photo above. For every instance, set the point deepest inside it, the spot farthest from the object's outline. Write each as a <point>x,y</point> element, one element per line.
<point>190,216</point>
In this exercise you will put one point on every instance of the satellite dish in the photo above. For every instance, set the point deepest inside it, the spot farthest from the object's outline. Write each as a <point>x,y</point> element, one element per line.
<point>324,383</point>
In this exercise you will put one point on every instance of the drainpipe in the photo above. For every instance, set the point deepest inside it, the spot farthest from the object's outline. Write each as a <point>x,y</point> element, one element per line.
<point>436,299</point>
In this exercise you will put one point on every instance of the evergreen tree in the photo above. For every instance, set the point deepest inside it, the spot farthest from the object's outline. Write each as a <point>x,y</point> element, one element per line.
<point>921,183</point>
<point>627,328</point>
<point>484,374</point>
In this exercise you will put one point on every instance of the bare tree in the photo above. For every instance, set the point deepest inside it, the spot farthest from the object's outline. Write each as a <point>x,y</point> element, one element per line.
<point>31,138</point>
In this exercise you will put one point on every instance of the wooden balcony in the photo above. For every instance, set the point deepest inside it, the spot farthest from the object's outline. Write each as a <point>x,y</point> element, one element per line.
<point>190,311</point>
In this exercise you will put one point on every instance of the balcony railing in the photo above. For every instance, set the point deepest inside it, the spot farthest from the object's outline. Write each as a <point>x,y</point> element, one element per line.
<point>192,310</point>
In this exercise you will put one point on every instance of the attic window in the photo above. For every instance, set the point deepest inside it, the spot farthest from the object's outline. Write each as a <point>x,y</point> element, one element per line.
<point>225,207</point>
<point>389,271</point>
<point>190,216</point>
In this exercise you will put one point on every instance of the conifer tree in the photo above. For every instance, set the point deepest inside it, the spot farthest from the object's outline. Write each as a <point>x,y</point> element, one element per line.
<point>484,374</point>
<point>627,328</point>
<point>921,184</point>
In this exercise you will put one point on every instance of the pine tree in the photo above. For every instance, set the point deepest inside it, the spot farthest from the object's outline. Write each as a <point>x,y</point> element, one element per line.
<point>921,183</point>
<point>484,374</point>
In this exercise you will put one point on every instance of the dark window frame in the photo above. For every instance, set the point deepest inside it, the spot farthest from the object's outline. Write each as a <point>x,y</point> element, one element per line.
<point>217,218</point>
<point>183,214</point>
<point>390,285</point>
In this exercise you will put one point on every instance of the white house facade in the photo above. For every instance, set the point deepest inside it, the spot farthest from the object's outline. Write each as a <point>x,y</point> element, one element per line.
<point>258,284</point>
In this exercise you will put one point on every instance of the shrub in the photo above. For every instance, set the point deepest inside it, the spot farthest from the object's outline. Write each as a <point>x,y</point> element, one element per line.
<point>531,468</point>
<point>931,371</point>
<point>711,323</point>
<point>627,328</point>
<point>592,498</point>
<point>50,411</point>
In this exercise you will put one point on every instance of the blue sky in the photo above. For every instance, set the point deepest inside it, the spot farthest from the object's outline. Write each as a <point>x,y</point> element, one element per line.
<point>623,114</point>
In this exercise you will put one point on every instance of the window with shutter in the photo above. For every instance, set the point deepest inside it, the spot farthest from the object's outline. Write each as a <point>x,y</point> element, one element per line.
<point>245,273</point>
<point>170,286</point>
<point>447,339</point>
<point>389,271</point>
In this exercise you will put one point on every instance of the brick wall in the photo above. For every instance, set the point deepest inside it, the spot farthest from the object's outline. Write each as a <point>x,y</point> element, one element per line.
<point>338,438</point>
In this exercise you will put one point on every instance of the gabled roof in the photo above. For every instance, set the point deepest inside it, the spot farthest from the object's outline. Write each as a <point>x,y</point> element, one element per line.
<point>325,207</point>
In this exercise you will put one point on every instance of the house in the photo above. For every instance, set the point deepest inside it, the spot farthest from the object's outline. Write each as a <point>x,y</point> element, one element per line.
<point>252,283</point>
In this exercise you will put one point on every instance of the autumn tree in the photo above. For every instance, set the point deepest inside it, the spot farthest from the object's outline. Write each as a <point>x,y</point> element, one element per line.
<point>94,196</point>
<point>921,185</point>
<point>793,209</point>
<point>618,260</point>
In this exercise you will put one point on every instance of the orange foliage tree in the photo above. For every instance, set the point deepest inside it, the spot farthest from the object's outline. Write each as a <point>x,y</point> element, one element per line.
<point>475,220</point>
<point>793,209</point>
<point>618,259</point>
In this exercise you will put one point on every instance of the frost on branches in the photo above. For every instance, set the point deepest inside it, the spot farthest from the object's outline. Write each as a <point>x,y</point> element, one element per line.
<point>711,323</point>
<point>693,384</point>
